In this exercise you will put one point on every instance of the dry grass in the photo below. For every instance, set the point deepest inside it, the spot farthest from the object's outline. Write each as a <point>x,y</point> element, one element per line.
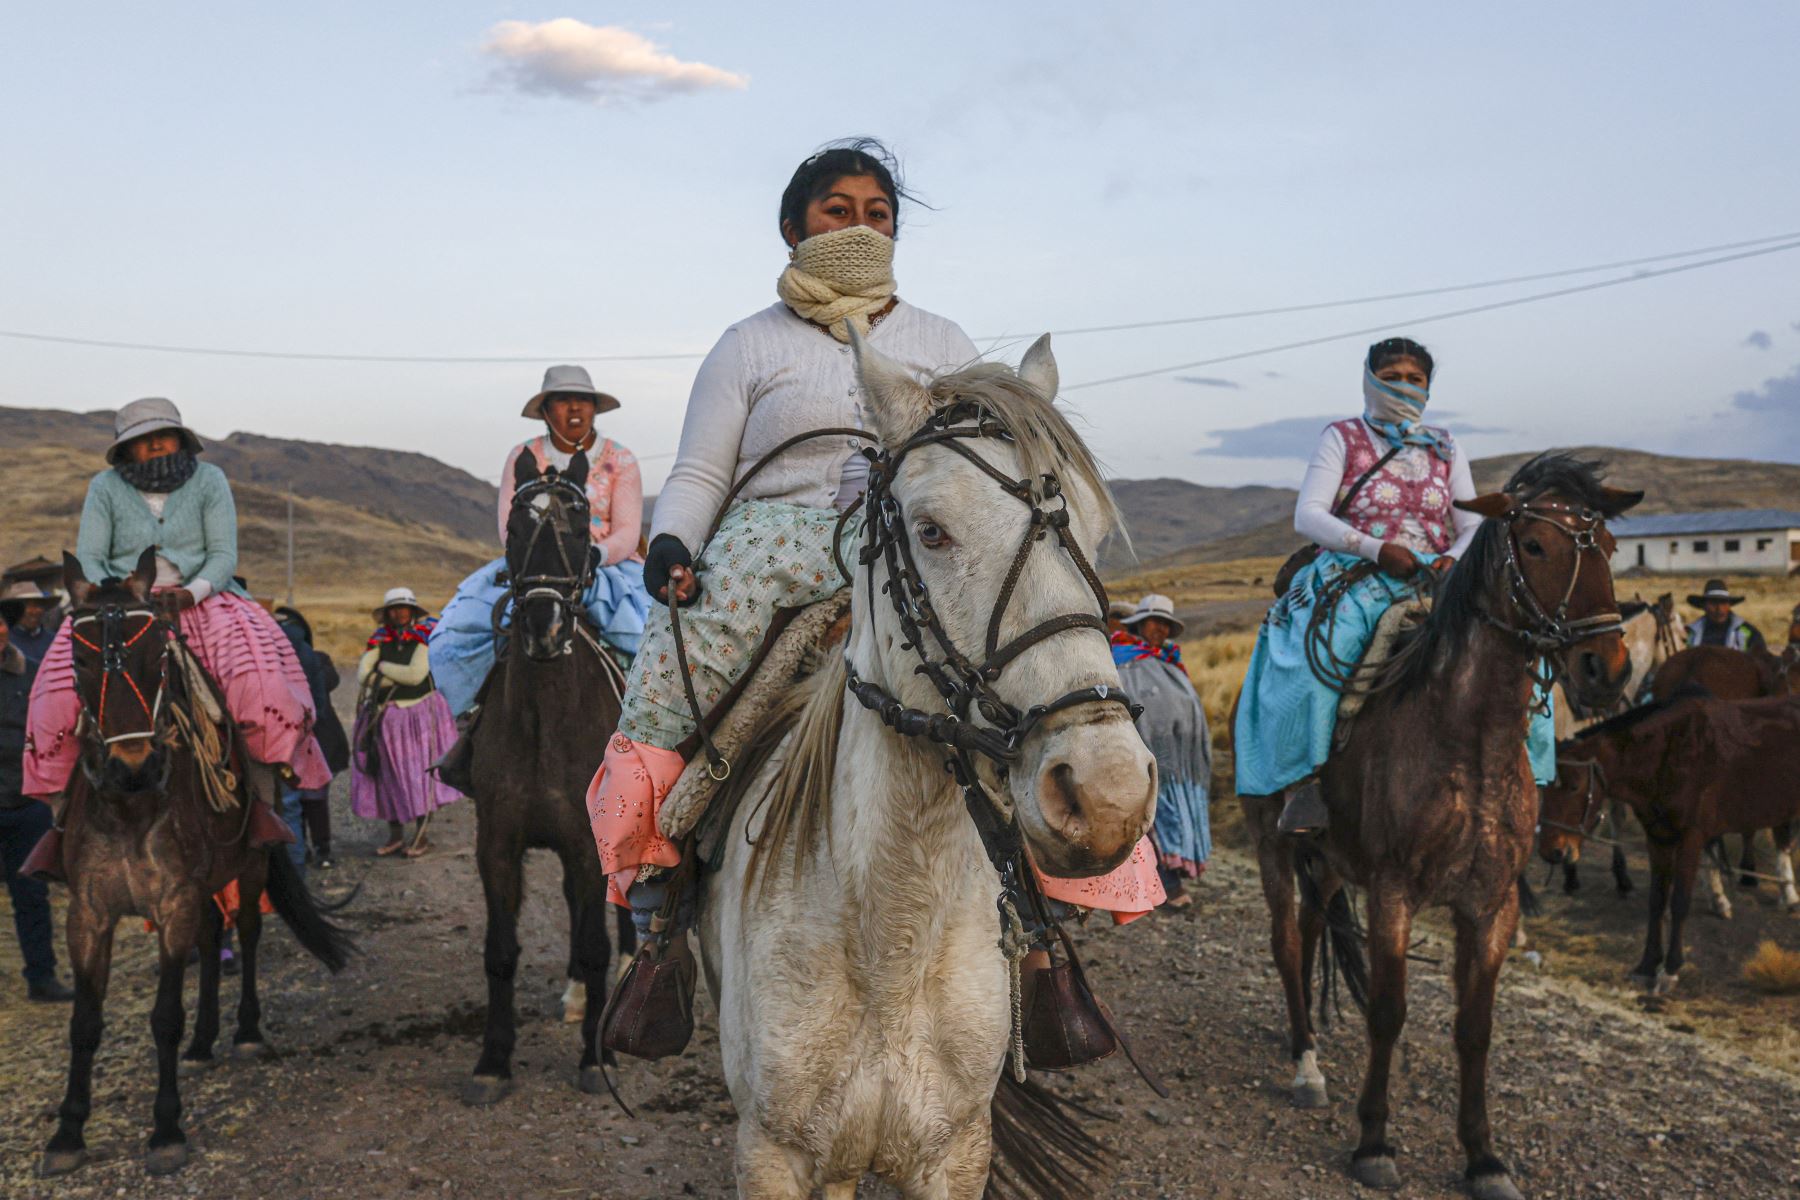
<point>1768,599</point>
<point>1773,971</point>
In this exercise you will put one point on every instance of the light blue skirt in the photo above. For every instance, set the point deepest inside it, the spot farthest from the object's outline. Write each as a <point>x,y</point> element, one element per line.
<point>1182,832</point>
<point>463,644</point>
<point>1287,714</point>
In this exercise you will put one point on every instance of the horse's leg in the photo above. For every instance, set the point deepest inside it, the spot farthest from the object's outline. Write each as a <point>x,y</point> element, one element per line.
<point>1620,871</point>
<point>1784,865</point>
<point>1275,863</point>
<point>625,931</point>
<point>199,1053</point>
<point>1715,878</point>
<point>248,1041</point>
<point>961,1175</point>
<point>1662,867</point>
<point>90,944</point>
<point>766,1170</point>
<point>176,930</point>
<point>1687,860</point>
<point>1480,951</point>
<point>1390,931</point>
<point>583,878</point>
<point>501,862</point>
<point>1747,864</point>
<point>575,995</point>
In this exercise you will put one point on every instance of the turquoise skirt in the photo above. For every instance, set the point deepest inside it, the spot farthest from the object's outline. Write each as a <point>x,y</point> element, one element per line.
<point>1287,714</point>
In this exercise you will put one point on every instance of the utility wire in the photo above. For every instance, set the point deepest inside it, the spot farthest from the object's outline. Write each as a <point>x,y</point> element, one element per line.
<point>1204,318</point>
<point>1367,330</point>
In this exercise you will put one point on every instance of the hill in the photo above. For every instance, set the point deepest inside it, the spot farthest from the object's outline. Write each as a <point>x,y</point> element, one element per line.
<point>1170,515</point>
<point>1669,483</point>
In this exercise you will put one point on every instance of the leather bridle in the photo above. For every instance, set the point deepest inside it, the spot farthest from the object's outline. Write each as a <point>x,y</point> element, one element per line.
<point>111,648</point>
<point>1594,797</point>
<point>566,586</point>
<point>967,686</point>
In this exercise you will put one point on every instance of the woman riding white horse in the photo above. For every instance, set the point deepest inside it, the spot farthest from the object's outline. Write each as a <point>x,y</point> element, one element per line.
<point>782,372</point>
<point>1379,489</point>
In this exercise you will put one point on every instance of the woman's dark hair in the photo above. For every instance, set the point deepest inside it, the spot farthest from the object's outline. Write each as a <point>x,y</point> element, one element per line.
<point>853,156</point>
<point>1384,352</point>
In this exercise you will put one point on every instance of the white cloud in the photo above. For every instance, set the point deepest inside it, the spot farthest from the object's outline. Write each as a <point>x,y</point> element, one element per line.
<point>600,63</point>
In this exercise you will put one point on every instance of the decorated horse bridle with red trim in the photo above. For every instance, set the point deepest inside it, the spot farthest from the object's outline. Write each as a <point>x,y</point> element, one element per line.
<point>111,648</point>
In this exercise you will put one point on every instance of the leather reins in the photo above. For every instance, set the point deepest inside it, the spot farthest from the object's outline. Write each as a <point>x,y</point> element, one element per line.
<point>111,649</point>
<point>565,588</point>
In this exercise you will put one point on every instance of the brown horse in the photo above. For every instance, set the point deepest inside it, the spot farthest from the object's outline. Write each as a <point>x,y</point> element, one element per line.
<point>1432,798</point>
<point>1725,674</point>
<point>1692,770</point>
<point>146,834</point>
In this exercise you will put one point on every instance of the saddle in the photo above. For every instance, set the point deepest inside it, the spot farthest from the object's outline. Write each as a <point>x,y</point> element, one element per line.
<point>1399,620</point>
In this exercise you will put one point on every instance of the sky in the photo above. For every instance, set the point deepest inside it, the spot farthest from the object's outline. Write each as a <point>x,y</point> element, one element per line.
<point>577,181</point>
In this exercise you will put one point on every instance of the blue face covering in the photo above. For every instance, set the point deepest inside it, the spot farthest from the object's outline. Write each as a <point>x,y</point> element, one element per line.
<point>1393,410</point>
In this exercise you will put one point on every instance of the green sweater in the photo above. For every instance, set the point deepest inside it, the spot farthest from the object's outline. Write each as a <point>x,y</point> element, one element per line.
<point>197,531</point>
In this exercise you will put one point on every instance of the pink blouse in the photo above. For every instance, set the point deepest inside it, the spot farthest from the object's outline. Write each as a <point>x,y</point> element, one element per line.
<point>615,493</point>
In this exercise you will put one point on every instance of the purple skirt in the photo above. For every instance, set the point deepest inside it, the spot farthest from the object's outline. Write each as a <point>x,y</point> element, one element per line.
<point>399,788</point>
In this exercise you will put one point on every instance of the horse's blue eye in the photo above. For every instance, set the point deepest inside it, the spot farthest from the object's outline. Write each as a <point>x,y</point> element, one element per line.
<point>932,535</point>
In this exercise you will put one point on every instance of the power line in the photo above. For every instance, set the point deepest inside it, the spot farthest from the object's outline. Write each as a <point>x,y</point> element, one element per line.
<point>1162,323</point>
<point>1430,318</point>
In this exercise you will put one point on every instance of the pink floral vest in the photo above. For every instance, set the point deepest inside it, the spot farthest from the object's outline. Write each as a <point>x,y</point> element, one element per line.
<point>1408,500</point>
<point>604,461</point>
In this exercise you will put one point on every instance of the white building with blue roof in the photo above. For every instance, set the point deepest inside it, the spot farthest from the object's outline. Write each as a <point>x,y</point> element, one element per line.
<point>1750,540</point>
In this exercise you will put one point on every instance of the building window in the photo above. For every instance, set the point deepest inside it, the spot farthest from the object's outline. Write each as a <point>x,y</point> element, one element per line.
<point>1763,544</point>
<point>1674,546</point>
<point>1640,561</point>
<point>1701,546</point>
<point>1732,545</point>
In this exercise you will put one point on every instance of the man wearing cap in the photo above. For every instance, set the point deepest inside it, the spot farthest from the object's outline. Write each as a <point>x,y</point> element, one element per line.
<point>23,821</point>
<point>1720,626</point>
<point>462,645</point>
<point>35,625</point>
<point>157,495</point>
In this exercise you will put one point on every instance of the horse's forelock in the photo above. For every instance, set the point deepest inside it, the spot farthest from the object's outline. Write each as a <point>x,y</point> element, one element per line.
<point>1575,480</point>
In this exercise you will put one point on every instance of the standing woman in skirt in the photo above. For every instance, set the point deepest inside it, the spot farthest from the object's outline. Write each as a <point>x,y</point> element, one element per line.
<point>403,725</point>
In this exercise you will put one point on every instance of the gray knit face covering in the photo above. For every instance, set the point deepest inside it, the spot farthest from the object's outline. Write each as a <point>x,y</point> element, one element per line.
<point>161,474</point>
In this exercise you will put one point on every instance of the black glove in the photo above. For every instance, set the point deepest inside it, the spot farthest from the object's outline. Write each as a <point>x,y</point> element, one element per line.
<point>666,551</point>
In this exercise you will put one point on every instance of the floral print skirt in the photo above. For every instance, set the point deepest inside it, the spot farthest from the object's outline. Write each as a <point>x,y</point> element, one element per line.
<point>766,556</point>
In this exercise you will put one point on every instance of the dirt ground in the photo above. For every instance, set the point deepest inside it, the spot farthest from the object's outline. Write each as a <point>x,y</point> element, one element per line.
<point>1593,1094</point>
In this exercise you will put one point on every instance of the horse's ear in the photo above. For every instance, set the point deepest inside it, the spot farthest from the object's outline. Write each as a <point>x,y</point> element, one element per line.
<point>525,468</point>
<point>75,580</point>
<point>1494,504</point>
<point>143,578</point>
<point>1038,368</point>
<point>899,403</point>
<point>1614,501</point>
<point>577,470</point>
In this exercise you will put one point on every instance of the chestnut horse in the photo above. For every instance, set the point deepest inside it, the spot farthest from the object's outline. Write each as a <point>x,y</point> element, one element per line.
<point>1432,798</point>
<point>147,835</point>
<point>1692,769</point>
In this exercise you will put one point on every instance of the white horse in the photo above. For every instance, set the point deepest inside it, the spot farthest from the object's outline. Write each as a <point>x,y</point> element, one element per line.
<point>851,938</point>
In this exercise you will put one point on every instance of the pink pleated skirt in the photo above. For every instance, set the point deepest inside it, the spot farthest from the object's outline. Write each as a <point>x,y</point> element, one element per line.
<point>399,787</point>
<point>244,652</point>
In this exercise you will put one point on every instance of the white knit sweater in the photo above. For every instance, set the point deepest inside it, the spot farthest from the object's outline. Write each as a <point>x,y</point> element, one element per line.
<point>772,376</point>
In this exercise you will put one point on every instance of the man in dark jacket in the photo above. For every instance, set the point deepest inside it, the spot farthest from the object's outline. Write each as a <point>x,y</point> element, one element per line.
<point>311,807</point>
<point>23,821</point>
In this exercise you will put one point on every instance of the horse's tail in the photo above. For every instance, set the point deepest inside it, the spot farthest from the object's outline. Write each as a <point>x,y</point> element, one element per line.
<point>1344,948</point>
<point>1041,1148</point>
<point>326,941</point>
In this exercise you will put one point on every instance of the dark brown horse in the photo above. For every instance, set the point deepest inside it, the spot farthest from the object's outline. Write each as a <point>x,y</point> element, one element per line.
<point>546,714</point>
<point>1725,674</point>
<point>1692,770</point>
<point>1432,798</point>
<point>146,834</point>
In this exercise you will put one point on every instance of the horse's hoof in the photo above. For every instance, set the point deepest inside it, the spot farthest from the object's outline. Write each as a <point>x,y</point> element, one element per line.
<point>1494,1187</point>
<point>1311,1095</point>
<point>574,1003</point>
<point>1376,1171</point>
<point>60,1162</point>
<point>482,1090</point>
<point>1664,984</point>
<point>166,1160</point>
<point>186,1068</point>
<point>592,1080</point>
<point>251,1051</point>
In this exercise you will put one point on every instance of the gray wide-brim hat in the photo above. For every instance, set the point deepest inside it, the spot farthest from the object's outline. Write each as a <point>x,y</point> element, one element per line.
<point>399,597</point>
<point>150,415</point>
<point>1156,605</point>
<point>567,380</point>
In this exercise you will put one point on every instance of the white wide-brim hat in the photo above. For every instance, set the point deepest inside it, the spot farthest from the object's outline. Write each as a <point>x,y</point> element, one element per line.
<point>567,380</point>
<point>395,597</point>
<point>150,415</point>
<point>1156,605</point>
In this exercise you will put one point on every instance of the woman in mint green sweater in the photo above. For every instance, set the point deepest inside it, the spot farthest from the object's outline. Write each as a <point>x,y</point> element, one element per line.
<point>157,494</point>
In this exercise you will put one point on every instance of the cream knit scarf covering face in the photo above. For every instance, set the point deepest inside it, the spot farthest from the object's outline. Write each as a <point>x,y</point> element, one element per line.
<point>839,279</point>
